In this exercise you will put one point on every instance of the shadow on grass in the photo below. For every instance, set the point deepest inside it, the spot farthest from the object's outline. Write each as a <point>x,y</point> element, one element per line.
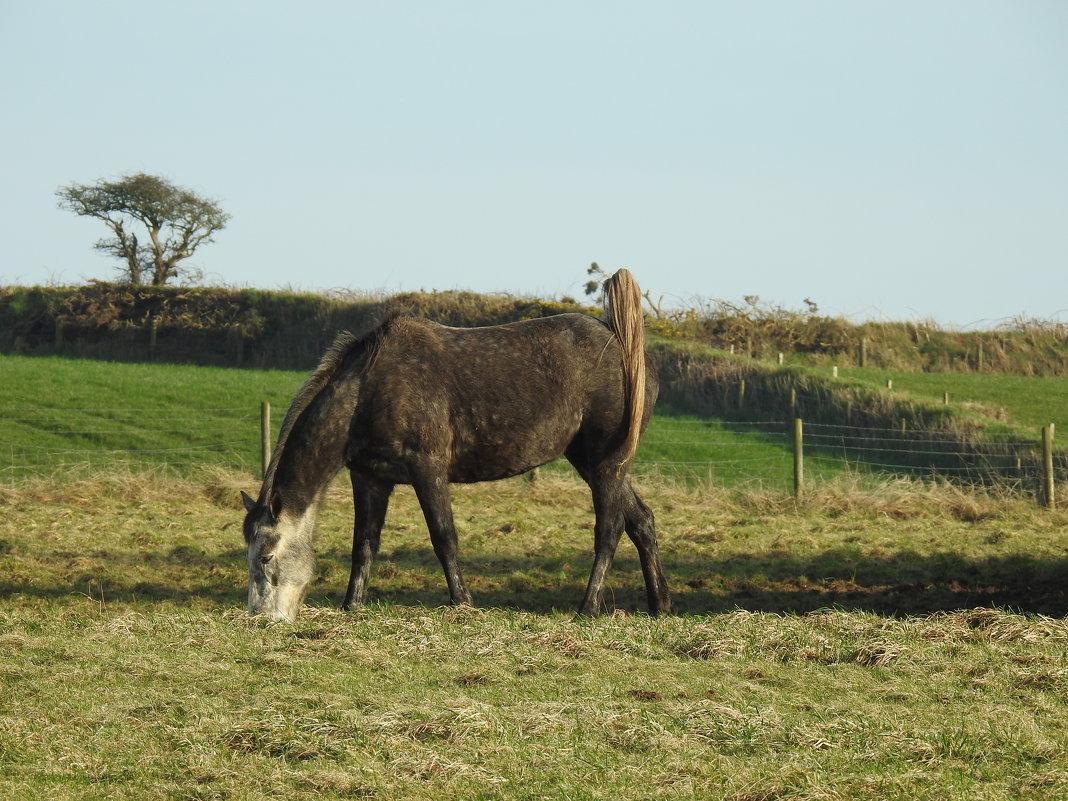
<point>182,575</point>
<point>901,583</point>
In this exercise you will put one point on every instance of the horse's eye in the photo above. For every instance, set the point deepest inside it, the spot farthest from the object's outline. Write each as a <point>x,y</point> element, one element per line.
<point>265,560</point>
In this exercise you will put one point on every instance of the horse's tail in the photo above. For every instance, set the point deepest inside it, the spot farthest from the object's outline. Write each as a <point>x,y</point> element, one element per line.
<point>623,304</point>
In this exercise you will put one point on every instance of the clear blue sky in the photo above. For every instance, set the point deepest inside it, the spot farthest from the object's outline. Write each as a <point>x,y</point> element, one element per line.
<point>891,160</point>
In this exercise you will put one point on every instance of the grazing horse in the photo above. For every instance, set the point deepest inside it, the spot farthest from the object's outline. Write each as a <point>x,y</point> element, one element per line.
<point>418,403</point>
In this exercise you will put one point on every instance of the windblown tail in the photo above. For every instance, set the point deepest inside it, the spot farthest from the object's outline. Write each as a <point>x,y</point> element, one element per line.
<point>623,305</point>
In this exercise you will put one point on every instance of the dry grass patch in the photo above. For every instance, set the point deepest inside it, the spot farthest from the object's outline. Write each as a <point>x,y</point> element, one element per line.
<point>156,684</point>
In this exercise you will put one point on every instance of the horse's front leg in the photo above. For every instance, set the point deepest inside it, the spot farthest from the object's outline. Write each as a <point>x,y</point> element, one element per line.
<point>432,490</point>
<point>371,500</point>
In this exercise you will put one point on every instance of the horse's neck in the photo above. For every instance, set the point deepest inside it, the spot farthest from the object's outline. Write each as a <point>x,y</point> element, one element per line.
<point>314,451</point>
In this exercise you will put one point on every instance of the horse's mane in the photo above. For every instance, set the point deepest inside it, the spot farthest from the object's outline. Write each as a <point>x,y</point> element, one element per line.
<point>331,363</point>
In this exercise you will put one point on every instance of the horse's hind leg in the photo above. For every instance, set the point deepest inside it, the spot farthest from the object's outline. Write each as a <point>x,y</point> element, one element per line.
<point>370,500</point>
<point>639,523</point>
<point>433,492</point>
<point>608,528</point>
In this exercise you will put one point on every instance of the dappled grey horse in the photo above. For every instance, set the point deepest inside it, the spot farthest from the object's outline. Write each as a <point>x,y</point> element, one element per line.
<point>417,403</point>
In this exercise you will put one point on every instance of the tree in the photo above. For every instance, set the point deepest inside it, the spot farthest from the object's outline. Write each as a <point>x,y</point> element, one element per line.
<point>177,222</point>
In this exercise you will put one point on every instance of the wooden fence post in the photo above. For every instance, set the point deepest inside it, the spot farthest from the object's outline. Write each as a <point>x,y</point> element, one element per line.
<point>1048,488</point>
<point>799,460</point>
<point>265,437</point>
<point>153,331</point>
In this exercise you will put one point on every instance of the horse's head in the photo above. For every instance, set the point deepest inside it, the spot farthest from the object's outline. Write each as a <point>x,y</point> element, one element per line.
<point>281,562</point>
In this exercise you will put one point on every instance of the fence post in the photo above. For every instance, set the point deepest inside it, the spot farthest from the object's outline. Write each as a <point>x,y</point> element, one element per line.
<point>799,460</point>
<point>1048,499</point>
<point>153,330</point>
<point>265,437</point>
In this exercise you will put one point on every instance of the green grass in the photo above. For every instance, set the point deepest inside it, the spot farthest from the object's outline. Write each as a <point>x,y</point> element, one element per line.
<point>682,447</point>
<point>843,648</point>
<point>55,411</point>
<point>1030,402</point>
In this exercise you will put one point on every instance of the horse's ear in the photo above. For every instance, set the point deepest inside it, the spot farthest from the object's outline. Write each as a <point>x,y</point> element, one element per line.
<point>247,500</point>
<point>274,505</point>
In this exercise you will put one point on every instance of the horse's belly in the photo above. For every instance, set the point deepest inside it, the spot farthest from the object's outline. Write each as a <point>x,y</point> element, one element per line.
<point>490,453</point>
<point>487,466</point>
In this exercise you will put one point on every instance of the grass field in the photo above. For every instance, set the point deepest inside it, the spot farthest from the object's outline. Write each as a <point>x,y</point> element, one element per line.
<point>55,411</point>
<point>1030,402</point>
<point>900,643</point>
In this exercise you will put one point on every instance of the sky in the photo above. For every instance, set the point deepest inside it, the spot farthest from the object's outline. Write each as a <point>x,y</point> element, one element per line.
<point>903,160</point>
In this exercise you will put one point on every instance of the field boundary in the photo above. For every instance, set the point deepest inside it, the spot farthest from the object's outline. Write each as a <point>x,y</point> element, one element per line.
<point>691,450</point>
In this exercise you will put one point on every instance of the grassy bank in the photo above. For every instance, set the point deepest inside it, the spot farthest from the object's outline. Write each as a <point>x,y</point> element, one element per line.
<point>1025,401</point>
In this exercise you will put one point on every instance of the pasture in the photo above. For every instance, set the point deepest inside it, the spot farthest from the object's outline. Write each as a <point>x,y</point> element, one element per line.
<point>56,411</point>
<point>904,641</point>
<point>879,639</point>
<point>1027,401</point>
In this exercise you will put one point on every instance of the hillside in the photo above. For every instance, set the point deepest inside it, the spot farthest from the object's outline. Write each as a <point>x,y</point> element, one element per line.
<point>286,330</point>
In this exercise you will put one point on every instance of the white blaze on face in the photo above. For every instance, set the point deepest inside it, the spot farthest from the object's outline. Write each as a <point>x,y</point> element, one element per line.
<point>281,567</point>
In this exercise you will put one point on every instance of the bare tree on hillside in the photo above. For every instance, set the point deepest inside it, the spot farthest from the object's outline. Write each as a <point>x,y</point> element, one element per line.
<point>176,221</point>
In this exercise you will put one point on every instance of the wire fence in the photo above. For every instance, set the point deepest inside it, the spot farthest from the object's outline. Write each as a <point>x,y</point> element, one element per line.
<point>41,441</point>
<point>771,453</point>
<point>764,453</point>
<point>714,451</point>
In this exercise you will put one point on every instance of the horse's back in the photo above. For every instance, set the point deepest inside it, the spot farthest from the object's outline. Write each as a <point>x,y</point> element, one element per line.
<point>561,347</point>
<point>491,401</point>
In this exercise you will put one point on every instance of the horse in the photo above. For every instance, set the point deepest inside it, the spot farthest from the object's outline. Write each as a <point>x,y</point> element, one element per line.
<point>418,403</point>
